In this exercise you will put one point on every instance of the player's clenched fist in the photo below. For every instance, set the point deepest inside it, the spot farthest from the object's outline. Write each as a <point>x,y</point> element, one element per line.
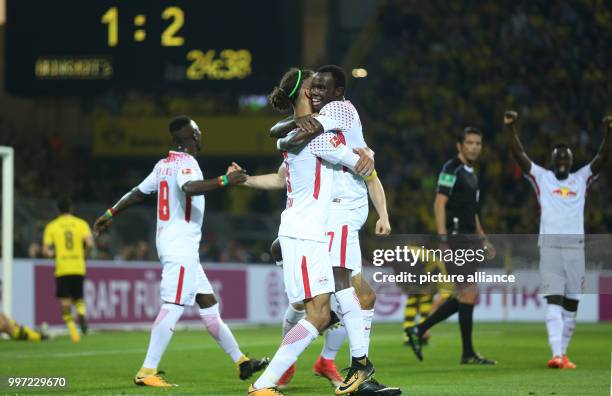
<point>510,117</point>
<point>383,227</point>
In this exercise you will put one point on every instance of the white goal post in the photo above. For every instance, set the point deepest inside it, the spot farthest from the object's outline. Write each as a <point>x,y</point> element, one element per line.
<point>7,154</point>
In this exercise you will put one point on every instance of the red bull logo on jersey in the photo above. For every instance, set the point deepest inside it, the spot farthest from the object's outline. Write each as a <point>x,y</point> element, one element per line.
<point>564,192</point>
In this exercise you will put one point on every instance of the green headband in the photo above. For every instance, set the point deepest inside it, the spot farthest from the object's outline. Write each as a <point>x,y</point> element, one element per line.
<point>297,83</point>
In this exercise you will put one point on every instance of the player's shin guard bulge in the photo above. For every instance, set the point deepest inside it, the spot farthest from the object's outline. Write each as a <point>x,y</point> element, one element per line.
<point>220,332</point>
<point>352,319</point>
<point>161,334</point>
<point>293,344</point>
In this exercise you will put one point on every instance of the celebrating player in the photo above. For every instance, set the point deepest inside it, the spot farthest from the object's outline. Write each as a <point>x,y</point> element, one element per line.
<point>180,187</point>
<point>307,271</point>
<point>457,220</point>
<point>561,194</point>
<point>69,239</point>
<point>349,206</point>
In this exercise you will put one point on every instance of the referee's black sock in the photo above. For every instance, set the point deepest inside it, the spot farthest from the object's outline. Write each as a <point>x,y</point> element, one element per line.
<point>445,310</point>
<point>466,320</point>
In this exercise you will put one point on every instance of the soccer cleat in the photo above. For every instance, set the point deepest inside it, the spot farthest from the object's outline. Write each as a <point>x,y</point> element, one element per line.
<point>264,392</point>
<point>373,387</point>
<point>414,341</point>
<point>356,375</point>
<point>477,359</point>
<point>247,367</point>
<point>326,368</point>
<point>566,363</point>
<point>555,362</point>
<point>155,379</point>
<point>286,378</point>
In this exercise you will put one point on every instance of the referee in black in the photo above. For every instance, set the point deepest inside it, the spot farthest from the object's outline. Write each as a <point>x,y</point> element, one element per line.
<point>458,227</point>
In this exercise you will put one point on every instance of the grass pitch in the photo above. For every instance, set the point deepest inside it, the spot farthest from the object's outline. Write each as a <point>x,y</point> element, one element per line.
<point>105,363</point>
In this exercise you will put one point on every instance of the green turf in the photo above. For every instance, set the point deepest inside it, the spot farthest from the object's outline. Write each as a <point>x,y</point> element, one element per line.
<point>105,363</point>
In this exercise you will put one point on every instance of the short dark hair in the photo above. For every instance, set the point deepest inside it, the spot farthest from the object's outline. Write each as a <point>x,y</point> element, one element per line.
<point>561,146</point>
<point>337,73</point>
<point>468,131</point>
<point>178,123</point>
<point>64,205</point>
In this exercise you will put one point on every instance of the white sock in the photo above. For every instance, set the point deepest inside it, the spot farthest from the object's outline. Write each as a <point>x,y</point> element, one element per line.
<point>294,343</point>
<point>554,326</point>
<point>353,321</point>
<point>368,315</point>
<point>220,332</point>
<point>569,323</point>
<point>334,338</point>
<point>161,333</point>
<point>292,316</point>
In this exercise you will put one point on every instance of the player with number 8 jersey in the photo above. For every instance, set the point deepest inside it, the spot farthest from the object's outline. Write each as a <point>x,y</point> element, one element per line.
<point>180,187</point>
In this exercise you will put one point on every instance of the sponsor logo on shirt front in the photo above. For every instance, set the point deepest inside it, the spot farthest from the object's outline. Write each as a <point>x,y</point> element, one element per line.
<point>564,192</point>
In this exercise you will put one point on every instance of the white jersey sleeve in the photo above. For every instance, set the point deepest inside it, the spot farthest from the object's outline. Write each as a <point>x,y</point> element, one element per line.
<point>186,171</point>
<point>329,147</point>
<point>536,170</point>
<point>336,115</point>
<point>149,184</point>
<point>585,174</point>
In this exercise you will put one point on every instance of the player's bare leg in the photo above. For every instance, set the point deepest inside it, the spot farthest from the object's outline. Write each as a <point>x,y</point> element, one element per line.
<point>209,312</point>
<point>293,344</point>
<point>66,307</point>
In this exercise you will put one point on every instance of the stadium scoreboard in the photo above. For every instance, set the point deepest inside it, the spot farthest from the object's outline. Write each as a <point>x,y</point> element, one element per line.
<point>86,47</point>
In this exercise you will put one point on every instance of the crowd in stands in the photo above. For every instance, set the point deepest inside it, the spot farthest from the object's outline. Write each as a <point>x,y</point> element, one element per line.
<point>436,68</point>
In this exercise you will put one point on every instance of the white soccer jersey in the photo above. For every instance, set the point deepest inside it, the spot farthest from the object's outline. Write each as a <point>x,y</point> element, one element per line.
<point>342,117</point>
<point>561,201</point>
<point>310,176</point>
<point>179,217</point>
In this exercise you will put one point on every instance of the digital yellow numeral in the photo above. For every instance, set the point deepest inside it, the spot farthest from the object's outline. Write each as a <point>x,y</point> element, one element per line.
<point>111,18</point>
<point>168,37</point>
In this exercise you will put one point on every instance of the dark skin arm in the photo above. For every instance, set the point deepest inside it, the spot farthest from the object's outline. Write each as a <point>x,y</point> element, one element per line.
<point>296,141</point>
<point>196,187</point>
<point>518,152</point>
<point>128,200</point>
<point>307,123</point>
<point>601,158</point>
<point>199,187</point>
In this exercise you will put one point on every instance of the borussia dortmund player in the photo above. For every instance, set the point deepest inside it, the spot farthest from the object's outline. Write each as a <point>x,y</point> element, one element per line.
<point>68,239</point>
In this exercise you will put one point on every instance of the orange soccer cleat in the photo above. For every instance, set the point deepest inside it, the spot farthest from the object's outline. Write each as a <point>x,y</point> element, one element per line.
<point>555,362</point>
<point>327,369</point>
<point>264,392</point>
<point>567,364</point>
<point>286,378</point>
<point>151,377</point>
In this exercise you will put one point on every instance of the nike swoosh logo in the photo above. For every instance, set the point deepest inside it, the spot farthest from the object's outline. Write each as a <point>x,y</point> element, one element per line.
<point>355,378</point>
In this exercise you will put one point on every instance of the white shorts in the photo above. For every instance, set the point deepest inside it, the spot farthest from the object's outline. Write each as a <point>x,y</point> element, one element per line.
<point>562,271</point>
<point>306,268</point>
<point>343,232</point>
<point>182,279</point>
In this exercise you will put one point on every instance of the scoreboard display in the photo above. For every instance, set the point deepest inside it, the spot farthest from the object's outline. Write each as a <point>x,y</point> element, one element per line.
<point>80,47</point>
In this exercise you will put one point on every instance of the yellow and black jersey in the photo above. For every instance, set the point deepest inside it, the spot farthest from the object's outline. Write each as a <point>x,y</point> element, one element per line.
<point>67,235</point>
